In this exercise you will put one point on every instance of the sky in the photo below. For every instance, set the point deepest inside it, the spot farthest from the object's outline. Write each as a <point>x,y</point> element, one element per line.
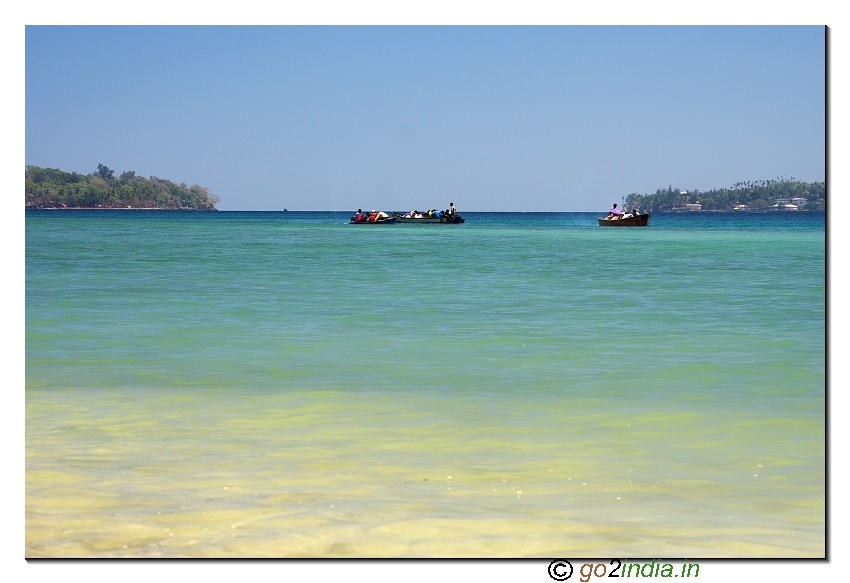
<point>492,118</point>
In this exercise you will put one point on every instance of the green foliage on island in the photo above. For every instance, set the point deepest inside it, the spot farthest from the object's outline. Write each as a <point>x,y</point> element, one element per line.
<point>53,188</point>
<point>755,195</point>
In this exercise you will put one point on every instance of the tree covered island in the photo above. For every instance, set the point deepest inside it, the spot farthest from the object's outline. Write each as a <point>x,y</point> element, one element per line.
<point>759,195</point>
<point>53,188</point>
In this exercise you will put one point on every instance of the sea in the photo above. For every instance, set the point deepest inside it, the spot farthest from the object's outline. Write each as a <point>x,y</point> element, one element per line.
<point>285,384</point>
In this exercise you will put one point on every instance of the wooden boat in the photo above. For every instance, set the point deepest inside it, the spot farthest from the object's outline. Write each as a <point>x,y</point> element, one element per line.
<point>388,220</point>
<point>633,221</point>
<point>456,219</point>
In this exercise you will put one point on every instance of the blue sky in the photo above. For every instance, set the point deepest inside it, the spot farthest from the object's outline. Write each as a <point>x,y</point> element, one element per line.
<point>563,118</point>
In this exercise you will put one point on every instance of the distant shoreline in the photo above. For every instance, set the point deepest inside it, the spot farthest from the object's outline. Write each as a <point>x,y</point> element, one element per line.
<point>54,189</point>
<point>116,208</point>
<point>737,211</point>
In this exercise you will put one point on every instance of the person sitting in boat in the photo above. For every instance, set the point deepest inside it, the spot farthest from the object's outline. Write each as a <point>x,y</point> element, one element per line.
<point>614,213</point>
<point>359,218</point>
<point>453,210</point>
<point>378,216</point>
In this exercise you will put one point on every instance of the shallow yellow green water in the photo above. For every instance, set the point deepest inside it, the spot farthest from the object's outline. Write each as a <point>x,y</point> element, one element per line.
<point>207,474</point>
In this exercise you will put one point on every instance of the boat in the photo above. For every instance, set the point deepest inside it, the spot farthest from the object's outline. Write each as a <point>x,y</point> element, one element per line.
<point>633,221</point>
<point>382,221</point>
<point>454,219</point>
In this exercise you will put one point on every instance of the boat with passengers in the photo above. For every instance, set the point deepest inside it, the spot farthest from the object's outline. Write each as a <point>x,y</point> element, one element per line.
<point>427,217</point>
<point>625,221</point>
<point>373,218</point>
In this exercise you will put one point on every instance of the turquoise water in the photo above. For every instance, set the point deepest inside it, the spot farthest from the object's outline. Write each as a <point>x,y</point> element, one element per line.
<point>286,384</point>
